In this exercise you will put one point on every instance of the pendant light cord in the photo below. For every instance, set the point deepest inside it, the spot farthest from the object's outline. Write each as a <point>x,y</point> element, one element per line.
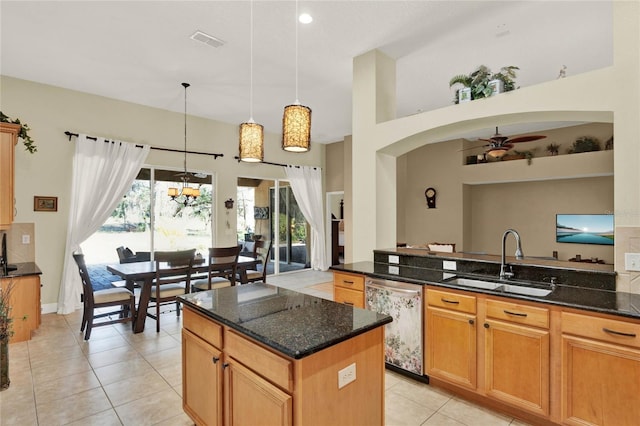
<point>297,101</point>
<point>251,67</point>
<point>185,85</point>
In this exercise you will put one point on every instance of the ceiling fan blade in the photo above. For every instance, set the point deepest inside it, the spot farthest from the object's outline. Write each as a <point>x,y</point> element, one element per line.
<point>525,139</point>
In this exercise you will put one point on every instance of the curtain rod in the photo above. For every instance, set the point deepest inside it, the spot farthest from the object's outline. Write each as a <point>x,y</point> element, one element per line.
<point>93,138</point>
<point>274,164</point>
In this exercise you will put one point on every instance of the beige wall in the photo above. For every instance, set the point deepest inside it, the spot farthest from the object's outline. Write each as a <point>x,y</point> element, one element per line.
<point>334,170</point>
<point>467,214</point>
<point>596,96</point>
<point>50,111</point>
<point>530,208</point>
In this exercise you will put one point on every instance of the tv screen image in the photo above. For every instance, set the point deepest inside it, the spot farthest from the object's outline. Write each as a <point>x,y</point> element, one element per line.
<point>585,228</point>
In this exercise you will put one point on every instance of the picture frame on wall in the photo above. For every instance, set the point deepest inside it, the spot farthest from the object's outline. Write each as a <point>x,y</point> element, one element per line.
<point>45,204</point>
<point>261,212</point>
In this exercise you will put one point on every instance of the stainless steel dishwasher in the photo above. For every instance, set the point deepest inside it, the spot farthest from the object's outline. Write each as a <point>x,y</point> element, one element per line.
<point>403,336</point>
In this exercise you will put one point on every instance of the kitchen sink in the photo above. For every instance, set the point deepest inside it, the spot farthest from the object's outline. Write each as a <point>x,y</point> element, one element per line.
<point>468,282</point>
<point>502,287</point>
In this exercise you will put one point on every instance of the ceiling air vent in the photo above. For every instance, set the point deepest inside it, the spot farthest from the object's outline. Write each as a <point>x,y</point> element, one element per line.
<point>206,39</point>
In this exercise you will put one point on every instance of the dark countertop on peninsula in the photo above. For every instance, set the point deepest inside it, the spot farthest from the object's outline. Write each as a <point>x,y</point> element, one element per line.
<point>292,323</point>
<point>597,300</point>
<point>24,269</point>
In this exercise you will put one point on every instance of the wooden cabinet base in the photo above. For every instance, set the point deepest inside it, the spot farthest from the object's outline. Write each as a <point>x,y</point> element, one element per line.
<point>25,306</point>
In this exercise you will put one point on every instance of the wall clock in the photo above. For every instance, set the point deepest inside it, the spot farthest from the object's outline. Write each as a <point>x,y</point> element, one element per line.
<point>430,195</point>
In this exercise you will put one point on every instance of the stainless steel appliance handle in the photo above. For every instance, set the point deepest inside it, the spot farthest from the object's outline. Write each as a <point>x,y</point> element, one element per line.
<point>384,287</point>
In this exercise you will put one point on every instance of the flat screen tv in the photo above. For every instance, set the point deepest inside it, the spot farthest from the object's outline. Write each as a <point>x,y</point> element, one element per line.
<point>585,228</point>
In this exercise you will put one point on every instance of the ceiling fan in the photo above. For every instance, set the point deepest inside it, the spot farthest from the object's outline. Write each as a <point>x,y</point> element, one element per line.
<point>498,145</point>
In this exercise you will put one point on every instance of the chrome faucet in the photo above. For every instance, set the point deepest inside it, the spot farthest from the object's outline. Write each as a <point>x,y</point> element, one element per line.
<point>503,273</point>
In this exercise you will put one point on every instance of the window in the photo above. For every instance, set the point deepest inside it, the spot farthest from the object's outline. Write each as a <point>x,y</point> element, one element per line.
<point>167,226</point>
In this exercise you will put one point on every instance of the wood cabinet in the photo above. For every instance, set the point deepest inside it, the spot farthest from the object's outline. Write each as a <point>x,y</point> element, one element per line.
<point>25,305</point>
<point>516,339</point>
<point>450,338</point>
<point>348,289</point>
<point>600,370</point>
<point>230,379</point>
<point>510,349</point>
<point>8,140</point>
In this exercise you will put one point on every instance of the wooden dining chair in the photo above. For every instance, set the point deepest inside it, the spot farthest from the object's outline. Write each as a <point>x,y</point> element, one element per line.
<point>263,253</point>
<point>173,278</point>
<point>223,263</point>
<point>110,297</point>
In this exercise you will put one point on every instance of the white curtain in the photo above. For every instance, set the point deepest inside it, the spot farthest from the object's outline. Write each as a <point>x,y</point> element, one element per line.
<point>306,184</point>
<point>103,172</point>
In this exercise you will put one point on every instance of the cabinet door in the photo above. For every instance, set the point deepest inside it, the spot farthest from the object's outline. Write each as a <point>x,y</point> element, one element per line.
<point>517,365</point>
<point>201,380</point>
<point>8,139</point>
<point>25,306</point>
<point>253,401</point>
<point>450,343</point>
<point>600,383</point>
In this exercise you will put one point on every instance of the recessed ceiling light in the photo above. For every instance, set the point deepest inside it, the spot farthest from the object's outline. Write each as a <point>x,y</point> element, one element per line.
<point>305,18</point>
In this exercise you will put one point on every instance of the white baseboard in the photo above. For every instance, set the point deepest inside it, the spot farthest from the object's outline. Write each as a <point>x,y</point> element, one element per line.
<point>50,308</point>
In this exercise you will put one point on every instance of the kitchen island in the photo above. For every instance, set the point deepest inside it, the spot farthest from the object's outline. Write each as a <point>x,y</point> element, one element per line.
<point>259,354</point>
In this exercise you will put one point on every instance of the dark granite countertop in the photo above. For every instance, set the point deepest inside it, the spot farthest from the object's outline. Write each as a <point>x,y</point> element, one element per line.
<point>591,299</point>
<point>24,269</point>
<point>292,323</point>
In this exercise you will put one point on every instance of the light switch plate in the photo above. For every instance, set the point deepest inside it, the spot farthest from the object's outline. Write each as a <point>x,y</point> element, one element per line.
<point>26,239</point>
<point>632,261</point>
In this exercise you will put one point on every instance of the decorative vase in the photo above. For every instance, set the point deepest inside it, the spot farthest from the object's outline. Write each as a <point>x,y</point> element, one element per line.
<point>4,364</point>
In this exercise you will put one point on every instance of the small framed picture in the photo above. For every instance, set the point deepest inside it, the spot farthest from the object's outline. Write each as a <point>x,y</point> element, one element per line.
<point>261,212</point>
<point>45,204</point>
<point>464,94</point>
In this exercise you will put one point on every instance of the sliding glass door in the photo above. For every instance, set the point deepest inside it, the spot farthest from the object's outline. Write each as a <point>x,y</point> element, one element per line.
<point>261,210</point>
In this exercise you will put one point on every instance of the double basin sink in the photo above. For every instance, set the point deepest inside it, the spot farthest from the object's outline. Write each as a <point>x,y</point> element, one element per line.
<point>504,287</point>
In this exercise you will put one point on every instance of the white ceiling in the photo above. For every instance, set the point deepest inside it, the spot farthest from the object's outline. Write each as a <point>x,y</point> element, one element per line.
<point>141,51</point>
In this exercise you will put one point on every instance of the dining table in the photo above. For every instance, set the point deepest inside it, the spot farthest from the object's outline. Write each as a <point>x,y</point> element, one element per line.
<point>145,272</point>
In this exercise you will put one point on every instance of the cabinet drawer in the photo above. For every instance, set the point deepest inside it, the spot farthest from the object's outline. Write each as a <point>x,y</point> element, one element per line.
<point>354,282</point>
<point>272,367</point>
<point>453,301</point>
<point>202,327</point>
<point>348,297</point>
<point>521,314</point>
<point>608,330</point>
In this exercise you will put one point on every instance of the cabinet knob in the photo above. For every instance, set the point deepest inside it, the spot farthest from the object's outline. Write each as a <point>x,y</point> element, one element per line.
<point>486,325</point>
<point>215,359</point>
<point>225,365</point>
<point>471,321</point>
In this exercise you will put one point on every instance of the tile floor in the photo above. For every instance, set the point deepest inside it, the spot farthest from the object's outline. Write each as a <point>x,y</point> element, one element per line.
<point>118,378</point>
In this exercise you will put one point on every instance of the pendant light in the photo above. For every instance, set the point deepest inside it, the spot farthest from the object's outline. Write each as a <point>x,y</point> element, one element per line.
<point>187,195</point>
<point>296,121</point>
<point>251,146</point>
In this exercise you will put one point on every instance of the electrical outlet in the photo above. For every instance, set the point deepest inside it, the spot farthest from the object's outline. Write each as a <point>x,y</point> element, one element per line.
<point>632,261</point>
<point>26,239</point>
<point>449,264</point>
<point>346,375</point>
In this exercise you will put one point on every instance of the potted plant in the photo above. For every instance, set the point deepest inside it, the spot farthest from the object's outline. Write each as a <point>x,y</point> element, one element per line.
<point>585,144</point>
<point>29,144</point>
<point>483,83</point>
<point>553,148</point>
<point>6,331</point>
